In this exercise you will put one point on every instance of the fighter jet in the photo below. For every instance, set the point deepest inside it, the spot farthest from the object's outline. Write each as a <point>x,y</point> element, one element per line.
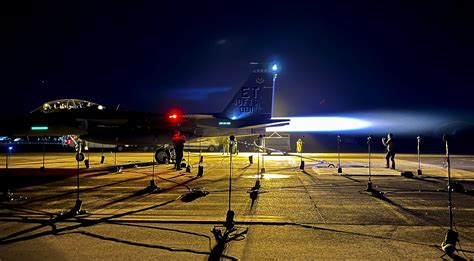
<point>249,112</point>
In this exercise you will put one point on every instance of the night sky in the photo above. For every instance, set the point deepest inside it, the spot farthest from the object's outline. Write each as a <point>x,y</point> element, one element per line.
<point>336,56</point>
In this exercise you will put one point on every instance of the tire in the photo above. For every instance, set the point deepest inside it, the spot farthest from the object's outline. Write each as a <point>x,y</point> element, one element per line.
<point>211,148</point>
<point>162,156</point>
<point>331,166</point>
<point>80,156</point>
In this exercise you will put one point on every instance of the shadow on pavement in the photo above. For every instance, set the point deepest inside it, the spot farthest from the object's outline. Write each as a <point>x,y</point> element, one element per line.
<point>70,215</point>
<point>132,243</point>
<point>12,238</point>
<point>74,191</point>
<point>223,237</point>
<point>419,216</point>
<point>26,177</point>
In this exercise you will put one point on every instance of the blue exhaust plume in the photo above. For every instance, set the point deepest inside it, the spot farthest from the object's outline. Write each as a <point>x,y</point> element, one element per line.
<point>380,122</point>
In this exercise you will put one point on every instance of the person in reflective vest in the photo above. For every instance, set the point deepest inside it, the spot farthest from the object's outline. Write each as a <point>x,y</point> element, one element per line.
<point>299,145</point>
<point>235,147</point>
<point>225,145</point>
<point>178,144</point>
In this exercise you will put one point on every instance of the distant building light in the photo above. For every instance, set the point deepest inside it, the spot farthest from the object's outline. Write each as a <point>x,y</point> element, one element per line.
<point>10,148</point>
<point>37,128</point>
<point>224,123</point>
<point>100,107</point>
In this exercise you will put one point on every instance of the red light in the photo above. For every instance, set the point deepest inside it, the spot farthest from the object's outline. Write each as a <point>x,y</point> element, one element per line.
<point>174,116</point>
<point>68,141</point>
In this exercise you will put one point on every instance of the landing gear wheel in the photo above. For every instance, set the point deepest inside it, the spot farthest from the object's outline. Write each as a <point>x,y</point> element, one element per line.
<point>80,156</point>
<point>162,156</point>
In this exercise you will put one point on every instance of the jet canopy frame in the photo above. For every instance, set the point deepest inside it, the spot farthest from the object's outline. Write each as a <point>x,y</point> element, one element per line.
<point>67,104</point>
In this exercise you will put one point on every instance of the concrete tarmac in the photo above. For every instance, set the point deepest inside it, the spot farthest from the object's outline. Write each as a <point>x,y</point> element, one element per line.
<point>314,213</point>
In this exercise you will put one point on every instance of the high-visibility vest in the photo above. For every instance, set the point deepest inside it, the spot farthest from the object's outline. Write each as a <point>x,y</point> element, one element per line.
<point>299,146</point>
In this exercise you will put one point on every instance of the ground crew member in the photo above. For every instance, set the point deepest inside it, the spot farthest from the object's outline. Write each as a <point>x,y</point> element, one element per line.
<point>299,145</point>
<point>234,147</point>
<point>259,143</point>
<point>178,144</point>
<point>225,145</point>
<point>388,143</point>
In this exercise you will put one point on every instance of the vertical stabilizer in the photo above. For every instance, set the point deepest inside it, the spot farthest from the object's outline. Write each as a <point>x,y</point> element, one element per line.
<point>255,97</point>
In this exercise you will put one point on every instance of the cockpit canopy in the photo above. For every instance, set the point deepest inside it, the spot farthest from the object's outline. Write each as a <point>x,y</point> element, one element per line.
<point>67,104</point>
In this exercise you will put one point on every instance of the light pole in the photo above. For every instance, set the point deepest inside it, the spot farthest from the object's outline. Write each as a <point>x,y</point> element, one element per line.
<point>152,186</point>
<point>229,222</point>
<point>6,194</point>
<point>339,169</point>
<point>369,184</point>
<point>299,147</point>
<point>7,156</point>
<point>201,159</point>
<point>42,169</point>
<point>77,209</point>
<point>262,170</point>
<point>259,173</point>
<point>418,138</point>
<point>188,167</point>
<point>449,243</point>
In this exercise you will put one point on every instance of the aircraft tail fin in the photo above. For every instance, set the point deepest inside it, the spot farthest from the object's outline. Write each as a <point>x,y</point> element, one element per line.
<point>255,97</point>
